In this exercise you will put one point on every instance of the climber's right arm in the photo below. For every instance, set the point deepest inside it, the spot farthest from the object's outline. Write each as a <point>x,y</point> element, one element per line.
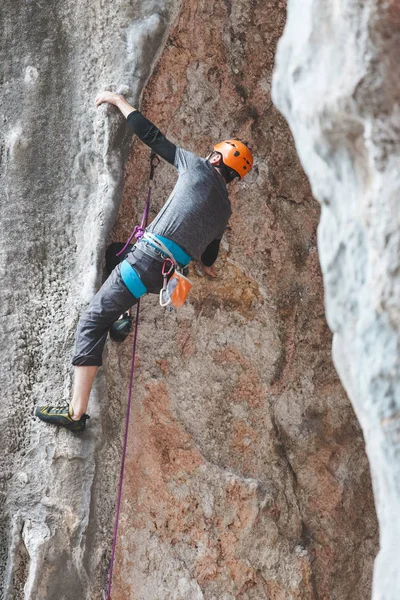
<point>142,127</point>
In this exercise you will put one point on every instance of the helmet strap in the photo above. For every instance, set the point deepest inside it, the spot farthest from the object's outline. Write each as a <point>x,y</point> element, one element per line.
<point>227,173</point>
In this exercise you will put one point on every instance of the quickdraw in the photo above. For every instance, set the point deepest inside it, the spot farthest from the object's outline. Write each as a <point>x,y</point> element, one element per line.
<point>166,275</point>
<point>176,287</point>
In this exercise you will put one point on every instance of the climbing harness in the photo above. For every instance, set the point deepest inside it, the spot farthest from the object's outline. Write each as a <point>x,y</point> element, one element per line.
<point>138,233</point>
<point>166,247</point>
<point>176,286</point>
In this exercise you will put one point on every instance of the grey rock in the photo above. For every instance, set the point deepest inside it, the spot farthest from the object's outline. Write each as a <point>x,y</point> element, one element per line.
<point>249,482</point>
<point>336,82</point>
<point>61,166</point>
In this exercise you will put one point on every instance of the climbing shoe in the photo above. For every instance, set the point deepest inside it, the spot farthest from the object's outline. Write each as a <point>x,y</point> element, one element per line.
<point>120,329</point>
<point>61,416</point>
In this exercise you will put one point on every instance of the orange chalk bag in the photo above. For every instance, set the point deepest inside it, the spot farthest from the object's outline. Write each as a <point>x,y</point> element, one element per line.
<point>176,286</point>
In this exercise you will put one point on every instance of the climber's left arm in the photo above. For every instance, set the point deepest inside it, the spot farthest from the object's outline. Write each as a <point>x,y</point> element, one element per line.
<point>142,127</point>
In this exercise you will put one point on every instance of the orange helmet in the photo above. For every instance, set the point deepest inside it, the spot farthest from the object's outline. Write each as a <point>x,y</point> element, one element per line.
<point>236,155</point>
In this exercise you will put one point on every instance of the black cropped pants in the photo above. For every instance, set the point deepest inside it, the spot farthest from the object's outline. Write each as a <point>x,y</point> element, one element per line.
<point>112,300</point>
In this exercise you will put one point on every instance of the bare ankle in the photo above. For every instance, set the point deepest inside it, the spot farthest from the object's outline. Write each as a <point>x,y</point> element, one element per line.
<point>74,414</point>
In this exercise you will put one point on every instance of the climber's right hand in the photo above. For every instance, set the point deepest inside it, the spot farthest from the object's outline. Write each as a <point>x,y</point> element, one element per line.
<point>210,271</point>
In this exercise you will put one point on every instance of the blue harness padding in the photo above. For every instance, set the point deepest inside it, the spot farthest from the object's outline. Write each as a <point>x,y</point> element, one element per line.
<point>181,257</point>
<point>132,280</point>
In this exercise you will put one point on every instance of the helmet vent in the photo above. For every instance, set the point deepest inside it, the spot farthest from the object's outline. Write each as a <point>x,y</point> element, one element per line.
<point>237,153</point>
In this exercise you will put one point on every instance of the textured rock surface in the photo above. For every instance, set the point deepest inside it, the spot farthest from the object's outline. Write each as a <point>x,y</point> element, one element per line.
<point>246,476</point>
<point>246,473</point>
<point>345,120</point>
<point>61,174</point>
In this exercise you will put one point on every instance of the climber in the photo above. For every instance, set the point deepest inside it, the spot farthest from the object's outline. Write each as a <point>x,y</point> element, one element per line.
<point>190,225</point>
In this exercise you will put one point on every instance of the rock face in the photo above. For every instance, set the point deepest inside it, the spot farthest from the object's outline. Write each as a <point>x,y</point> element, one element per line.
<point>61,174</point>
<point>246,476</point>
<point>345,120</point>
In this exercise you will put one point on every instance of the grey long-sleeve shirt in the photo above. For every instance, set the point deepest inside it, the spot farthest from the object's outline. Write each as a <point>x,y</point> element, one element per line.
<point>197,212</point>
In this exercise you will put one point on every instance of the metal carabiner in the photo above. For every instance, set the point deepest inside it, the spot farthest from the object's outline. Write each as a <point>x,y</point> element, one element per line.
<point>164,272</point>
<point>154,162</point>
<point>165,275</point>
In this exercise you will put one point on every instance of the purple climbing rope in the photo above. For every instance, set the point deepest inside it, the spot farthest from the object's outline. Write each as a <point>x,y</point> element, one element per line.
<point>121,478</point>
<point>139,229</point>
<point>138,233</point>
